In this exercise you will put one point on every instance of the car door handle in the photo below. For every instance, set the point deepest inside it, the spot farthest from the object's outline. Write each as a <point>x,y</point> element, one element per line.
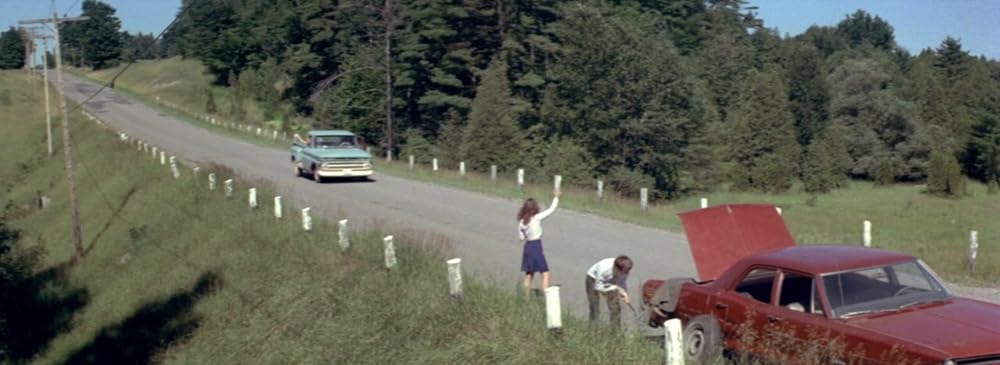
<point>721,305</point>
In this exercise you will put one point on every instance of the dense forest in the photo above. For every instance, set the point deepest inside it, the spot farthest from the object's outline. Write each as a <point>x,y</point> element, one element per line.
<point>681,96</point>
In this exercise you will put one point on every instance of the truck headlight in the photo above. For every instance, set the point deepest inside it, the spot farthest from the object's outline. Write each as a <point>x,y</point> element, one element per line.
<point>368,164</point>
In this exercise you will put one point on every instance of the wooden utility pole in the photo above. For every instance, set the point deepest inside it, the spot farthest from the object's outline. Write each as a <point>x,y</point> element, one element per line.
<point>45,85</point>
<point>387,18</point>
<point>67,153</point>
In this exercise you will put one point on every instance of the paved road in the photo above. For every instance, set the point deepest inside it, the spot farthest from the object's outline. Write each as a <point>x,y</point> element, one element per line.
<point>482,228</point>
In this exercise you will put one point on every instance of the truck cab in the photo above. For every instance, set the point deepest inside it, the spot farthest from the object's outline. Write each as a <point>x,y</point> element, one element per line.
<point>330,154</point>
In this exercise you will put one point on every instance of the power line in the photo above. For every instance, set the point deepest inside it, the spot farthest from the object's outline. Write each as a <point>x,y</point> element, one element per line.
<point>129,64</point>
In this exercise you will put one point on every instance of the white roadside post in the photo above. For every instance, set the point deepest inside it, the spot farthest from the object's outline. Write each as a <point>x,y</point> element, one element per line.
<point>163,158</point>
<point>342,237</point>
<point>252,198</point>
<point>211,181</point>
<point>867,235</point>
<point>195,170</point>
<point>778,209</point>
<point>973,248</point>
<point>228,186</point>
<point>434,164</point>
<point>390,252</point>
<point>277,207</point>
<point>704,203</point>
<point>173,167</point>
<point>411,162</point>
<point>455,277</point>
<point>274,135</point>
<point>388,155</point>
<point>520,179</point>
<point>154,152</point>
<point>673,343</point>
<point>553,310</point>
<point>461,168</point>
<point>493,173</point>
<point>644,199</point>
<point>306,220</point>
<point>557,182</point>
<point>600,189</point>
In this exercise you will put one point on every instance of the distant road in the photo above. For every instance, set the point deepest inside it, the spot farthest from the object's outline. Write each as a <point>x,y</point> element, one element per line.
<point>482,228</point>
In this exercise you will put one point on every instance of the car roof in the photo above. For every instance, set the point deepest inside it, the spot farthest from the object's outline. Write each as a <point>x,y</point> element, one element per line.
<point>824,259</point>
<point>330,132</point>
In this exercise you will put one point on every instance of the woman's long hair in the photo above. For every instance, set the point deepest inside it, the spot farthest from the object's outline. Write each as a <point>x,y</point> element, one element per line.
<point>528,210</point>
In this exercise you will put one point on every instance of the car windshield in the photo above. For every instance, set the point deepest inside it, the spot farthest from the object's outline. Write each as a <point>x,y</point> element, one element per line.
<point>882,288</point>
<point>336,142</point>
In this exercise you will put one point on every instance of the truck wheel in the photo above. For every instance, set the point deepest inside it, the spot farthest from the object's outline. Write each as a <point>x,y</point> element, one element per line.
<point>298,171</point>
<point>703,340</point>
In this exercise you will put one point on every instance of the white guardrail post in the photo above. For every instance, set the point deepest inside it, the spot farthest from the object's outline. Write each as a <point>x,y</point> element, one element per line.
<point>306,220</point>
<point>704,203</point>
<point>461,168</point>
<point>553,310</point>
<point>520,179</point>
<point>557,182</point>
<point>673,343</point>
<point>973,249</point>
<point>228,186</point>
<point>390,252</point>
<point>277,207</point>
<point>434,164</point>
<point>455,277</point>
<point>342,238</point>
<point>493,173</point>
<point>867,235</point>
<point>211,181</point>
<point>411,162</point>
<point>644,199</point>
<point>252,198</point>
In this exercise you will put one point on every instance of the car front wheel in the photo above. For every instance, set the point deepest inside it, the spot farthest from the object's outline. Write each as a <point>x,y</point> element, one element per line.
<point>703,340</point>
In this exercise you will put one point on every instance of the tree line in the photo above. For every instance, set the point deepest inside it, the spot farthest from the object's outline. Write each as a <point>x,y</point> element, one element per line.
<point>680,96</point>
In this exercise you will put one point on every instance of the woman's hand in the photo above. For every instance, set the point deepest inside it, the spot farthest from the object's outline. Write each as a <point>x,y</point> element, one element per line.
<point>556,193</point>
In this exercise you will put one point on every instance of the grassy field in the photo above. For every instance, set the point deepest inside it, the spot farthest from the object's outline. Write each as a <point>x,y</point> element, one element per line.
<point>176,273</point>
<point>902,216</point>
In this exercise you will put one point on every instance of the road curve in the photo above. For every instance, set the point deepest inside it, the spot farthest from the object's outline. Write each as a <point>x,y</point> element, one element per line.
<point>482,228</point>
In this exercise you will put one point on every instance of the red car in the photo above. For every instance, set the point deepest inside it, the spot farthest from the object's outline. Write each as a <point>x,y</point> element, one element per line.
<point>762,297</point>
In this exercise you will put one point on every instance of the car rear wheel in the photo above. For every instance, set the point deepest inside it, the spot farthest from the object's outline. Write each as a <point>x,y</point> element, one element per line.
<point>703,340</point>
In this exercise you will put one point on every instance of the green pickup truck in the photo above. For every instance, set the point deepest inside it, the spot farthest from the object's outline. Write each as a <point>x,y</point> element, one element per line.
<point>330,153</point>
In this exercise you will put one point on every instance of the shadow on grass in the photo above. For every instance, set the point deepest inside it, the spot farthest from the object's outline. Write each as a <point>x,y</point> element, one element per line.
<point>34,307</point>
<point>154,327</point>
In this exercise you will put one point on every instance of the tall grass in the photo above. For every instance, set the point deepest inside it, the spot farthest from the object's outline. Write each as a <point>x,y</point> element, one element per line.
<point>176,273</point>
<point>903,216</point>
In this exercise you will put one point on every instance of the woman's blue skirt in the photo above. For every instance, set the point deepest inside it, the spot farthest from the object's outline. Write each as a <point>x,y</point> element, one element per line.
<point>533,259</point>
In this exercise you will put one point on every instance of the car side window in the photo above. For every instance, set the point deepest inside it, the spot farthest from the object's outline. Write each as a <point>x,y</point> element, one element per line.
<point>757,284</point>
<point>798,293</point>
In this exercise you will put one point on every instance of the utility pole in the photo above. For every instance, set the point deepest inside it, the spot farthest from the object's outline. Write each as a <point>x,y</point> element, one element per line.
<point>387,18</point>
<point>67,153</point>
<point>45,85</point>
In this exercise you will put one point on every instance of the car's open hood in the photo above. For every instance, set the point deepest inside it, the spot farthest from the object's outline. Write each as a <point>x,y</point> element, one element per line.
<point>721,235</point>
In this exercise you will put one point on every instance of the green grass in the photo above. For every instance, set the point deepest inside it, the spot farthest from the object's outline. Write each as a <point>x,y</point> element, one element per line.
<point>903,217</point>
<point>176,273</point>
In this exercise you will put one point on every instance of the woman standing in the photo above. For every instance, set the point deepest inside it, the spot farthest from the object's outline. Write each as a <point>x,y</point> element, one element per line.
<point>529,224</point>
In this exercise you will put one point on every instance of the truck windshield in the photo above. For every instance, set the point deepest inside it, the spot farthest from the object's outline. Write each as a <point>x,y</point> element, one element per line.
<point>336,142</point>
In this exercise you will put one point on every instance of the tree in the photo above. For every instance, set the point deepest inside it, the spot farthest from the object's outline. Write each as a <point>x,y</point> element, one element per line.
<point>944,177</point>
<point>808,94</point>
<point>95,43</point>
<point>861,28</point>
<point>11,49</point>
<point>492,136</point>
<point>763,144</point>
<point>984,151</point>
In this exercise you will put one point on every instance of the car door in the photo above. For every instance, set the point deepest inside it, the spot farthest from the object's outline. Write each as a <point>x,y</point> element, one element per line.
<point>741,309</point>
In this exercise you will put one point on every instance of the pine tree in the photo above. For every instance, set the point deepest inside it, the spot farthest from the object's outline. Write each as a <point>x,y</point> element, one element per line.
<point>97,40</point>
<point>984,150</point>
<point>492,136</point>
<point>449,140</point>
<point>11,49</point>
<point>763,145</point>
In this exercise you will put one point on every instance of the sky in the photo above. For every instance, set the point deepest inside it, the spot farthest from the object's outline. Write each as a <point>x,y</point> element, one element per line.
<point>918,24</point>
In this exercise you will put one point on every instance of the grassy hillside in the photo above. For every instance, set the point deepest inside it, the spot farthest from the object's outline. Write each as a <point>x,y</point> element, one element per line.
<point>176,273</point>
<point>903,217</point>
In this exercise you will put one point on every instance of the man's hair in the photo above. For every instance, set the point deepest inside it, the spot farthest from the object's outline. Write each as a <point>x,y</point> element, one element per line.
<point>623,264</point>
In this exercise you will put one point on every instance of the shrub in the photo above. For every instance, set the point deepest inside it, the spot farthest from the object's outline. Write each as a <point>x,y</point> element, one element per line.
<point>627,182</point>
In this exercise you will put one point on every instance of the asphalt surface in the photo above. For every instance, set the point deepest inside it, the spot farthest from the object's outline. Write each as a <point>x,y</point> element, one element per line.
<point>482,228</point>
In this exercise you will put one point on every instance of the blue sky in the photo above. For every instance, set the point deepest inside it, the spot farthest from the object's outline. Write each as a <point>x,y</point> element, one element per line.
<point>918,24</point>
